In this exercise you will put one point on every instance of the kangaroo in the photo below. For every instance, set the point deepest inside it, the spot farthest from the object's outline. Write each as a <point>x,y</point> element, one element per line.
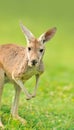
<point>18,64</point>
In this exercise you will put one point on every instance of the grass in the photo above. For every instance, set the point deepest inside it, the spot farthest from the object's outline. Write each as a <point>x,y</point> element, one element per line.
<point>52,109</point>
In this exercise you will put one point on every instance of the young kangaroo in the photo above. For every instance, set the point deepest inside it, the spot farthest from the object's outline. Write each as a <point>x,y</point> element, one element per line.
<point>18,64</point>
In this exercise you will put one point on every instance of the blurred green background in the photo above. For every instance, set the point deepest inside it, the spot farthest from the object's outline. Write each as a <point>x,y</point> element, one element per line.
<point>46,111</point>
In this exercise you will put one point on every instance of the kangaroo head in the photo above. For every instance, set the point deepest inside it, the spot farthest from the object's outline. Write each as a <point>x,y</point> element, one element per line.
<point>36,47</point>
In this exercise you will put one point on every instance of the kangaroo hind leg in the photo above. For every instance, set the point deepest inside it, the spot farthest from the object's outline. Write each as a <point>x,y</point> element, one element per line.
<point>14,109</point>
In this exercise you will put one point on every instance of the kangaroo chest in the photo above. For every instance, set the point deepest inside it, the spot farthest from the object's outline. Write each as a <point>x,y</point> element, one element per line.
<point>30,72</point>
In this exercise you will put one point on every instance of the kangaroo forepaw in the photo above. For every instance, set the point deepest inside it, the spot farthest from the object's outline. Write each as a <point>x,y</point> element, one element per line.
<point>33,95</point>
<point>28,97</point>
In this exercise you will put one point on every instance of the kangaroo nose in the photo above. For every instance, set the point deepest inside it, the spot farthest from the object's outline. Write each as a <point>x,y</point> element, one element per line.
<point>34,62</point>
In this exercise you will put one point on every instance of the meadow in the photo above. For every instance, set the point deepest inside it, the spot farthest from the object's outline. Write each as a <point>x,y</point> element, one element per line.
<point>53,107</point>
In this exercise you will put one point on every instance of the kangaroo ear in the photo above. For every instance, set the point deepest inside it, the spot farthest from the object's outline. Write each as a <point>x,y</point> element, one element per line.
<point>29,36</point>
<point>47,35</point>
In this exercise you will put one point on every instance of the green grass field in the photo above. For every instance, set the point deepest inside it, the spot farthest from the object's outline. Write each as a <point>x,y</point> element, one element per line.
<point>53,108</point>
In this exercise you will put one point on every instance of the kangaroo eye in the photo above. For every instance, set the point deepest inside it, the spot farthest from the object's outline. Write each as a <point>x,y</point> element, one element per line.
<point>29,48</point>
<point>41,50</point>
